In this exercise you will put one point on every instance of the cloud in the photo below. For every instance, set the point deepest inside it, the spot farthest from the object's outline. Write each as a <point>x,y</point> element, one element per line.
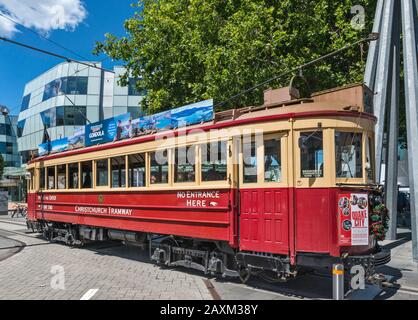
<point>42,15</point>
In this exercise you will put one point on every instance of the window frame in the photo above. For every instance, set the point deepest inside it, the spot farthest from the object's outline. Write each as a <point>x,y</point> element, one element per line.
<point>283,183</point>
<point>173,165</point>
<point>229,164</point>
<point>66,176</point>
<point>328,156</point>
<point>93,176</point>
<point>95,186</point>
<point>126,158</point>
<point>170,168</point>
<point>361,180</point>
<point>146,185</point>
<point>47,178</point>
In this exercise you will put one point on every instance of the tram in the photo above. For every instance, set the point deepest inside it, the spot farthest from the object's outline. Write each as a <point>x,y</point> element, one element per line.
<point>266,190</point>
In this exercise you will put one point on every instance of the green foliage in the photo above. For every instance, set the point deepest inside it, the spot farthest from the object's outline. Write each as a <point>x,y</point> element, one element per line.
<point>188,50</point>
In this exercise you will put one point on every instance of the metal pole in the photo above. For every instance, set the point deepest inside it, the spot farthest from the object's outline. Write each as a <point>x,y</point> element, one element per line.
<point>370,72</point>
<point>391,181</point>
<point>409,12</point>
<point>382,80</point>
<point>338,281</point>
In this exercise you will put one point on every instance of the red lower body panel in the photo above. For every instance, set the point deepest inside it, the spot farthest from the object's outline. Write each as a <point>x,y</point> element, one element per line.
<point>202,214</point>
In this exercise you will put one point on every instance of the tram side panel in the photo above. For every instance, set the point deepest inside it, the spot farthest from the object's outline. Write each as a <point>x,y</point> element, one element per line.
<point>205,214</point>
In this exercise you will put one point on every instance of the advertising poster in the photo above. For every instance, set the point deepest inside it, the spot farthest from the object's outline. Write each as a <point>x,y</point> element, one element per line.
<point>113,129</point>
<point>359,219</point>
<point>77,139</point>
<point>353,214</point>
<point>43,149</point>
<point>192,114</point>
<point>59,145</point>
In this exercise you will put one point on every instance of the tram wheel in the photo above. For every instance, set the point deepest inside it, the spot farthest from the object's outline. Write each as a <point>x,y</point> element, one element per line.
<point>244,274</point>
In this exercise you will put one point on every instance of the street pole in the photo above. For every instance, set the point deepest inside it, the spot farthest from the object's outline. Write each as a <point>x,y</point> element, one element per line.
<point>382,80</point>
<point>409,12</point>
<point>391,180</point>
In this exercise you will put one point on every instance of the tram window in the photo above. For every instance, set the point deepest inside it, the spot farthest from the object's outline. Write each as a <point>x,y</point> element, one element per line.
<point>249,152</point>
<point>102,173</point>
<point>312,155</point>
<point>272,160</point>
<point>42,178</point>
<point>348,154</point>
<point>51,177</point>
<point>86,173</point>
<point>118,172</point>
<point>369,160</point>
<point>136,170</point>
<point>184,164</point>
<point>73,176</point>
<point>214,167</point>
<point>159,167</point>
<point>61,176</point>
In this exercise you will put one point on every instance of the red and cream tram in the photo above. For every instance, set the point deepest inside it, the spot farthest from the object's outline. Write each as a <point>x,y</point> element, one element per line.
<point>268,189</point>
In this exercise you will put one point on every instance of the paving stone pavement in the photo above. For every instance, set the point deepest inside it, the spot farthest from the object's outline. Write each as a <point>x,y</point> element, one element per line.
<point>117,272</point>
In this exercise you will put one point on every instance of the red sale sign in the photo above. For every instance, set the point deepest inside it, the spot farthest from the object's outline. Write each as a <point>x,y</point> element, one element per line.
<point>353,219</point>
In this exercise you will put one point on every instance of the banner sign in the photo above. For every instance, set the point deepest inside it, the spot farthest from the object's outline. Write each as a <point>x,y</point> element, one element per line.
<point>77,139</point>
<point>192,114</point>
<point>353,218</point>
<point>123,127</point>
<point>43,149</point>
<point>59,145</point>
<point>113,129</point>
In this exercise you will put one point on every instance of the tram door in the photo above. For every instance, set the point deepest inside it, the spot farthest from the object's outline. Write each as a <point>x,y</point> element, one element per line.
<point>264,218</point>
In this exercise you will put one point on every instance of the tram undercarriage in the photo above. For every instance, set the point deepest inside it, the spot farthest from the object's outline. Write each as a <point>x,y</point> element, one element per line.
<point>211,257</point>
<point>215,258</point>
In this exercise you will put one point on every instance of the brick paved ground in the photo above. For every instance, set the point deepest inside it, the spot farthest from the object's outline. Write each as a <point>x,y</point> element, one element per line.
<point>118,272</point>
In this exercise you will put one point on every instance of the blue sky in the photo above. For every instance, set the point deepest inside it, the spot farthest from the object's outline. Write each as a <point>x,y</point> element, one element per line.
<point>76,27</point>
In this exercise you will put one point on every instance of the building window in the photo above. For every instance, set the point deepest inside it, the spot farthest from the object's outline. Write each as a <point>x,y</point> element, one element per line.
<point>311,155</point>
<point>20,127</point>
<point>42,178</point>
<point>184,164</point>
<point>51,177</point>
<point>25,103</point>
<point>133,89</point>
<point>135,112</point>
<point>62,176</point>
<point>118,172</point>
<point>159,167</point>
<point>214,166</point>
<point>272,160</point>
<point>86,173</point>
<point>73,176</point>
<point>249,152</point>
<point>102,173</point>
<point>348,154</point>
<point>65,85</point>
<point>49,118</point>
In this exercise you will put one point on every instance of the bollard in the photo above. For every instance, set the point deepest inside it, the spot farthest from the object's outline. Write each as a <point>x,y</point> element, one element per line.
<point>338,281</point>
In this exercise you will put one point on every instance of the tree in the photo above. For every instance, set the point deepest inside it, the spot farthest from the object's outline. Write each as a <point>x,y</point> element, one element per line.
<point>188,50</point>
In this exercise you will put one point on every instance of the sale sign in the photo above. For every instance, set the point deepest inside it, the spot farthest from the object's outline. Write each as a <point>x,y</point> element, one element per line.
<point>353,219</point>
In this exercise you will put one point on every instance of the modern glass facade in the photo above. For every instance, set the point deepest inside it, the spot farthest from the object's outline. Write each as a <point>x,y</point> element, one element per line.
<point>64,97</point>
<point>8,145</point>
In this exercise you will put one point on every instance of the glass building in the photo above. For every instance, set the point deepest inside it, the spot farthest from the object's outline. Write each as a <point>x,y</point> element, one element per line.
<point>68,96</point>
<point>13,176</point>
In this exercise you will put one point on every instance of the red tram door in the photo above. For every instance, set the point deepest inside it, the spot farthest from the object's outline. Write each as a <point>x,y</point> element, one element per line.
<point>264,209</point>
